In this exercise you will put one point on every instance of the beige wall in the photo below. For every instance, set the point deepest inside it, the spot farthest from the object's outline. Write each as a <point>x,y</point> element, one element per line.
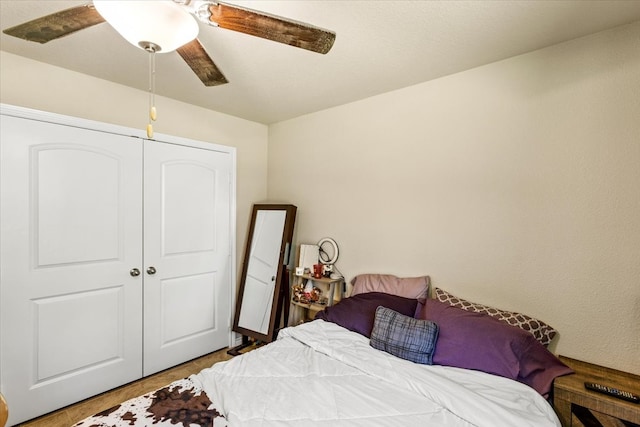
<point>32,84</point>
<point>515,184</point>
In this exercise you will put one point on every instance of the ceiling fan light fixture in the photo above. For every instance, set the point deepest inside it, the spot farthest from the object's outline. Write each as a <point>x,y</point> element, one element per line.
<point>162,24</point>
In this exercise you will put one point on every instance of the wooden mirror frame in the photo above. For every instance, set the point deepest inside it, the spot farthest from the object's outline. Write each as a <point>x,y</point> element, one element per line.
<point>281,285</point>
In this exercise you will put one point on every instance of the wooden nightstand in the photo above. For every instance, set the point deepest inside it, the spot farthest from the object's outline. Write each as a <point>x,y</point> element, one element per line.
<point>577,407</point>
<point>332,292</point>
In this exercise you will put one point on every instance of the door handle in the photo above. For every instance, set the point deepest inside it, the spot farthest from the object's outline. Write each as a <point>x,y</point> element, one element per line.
<point>134,272</point>
<point>151,270</point>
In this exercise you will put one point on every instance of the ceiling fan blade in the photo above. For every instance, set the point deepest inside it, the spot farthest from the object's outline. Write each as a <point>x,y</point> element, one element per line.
<point>57,24</point>
<point>271,27</point>
<point>201,63</point>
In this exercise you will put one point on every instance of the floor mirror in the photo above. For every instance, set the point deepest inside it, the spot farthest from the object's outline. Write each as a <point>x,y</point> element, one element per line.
<point>264,282</point>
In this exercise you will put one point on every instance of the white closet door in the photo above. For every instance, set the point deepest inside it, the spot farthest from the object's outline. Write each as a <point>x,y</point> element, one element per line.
<point>71,227</point>
<point>187,242</point>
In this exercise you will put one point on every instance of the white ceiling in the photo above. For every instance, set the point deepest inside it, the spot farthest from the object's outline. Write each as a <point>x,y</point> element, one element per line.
<point>380,46</point>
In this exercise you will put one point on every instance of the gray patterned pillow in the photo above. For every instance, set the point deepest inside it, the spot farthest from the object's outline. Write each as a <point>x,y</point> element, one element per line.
<point>540,330</point>
<point>403,336</point>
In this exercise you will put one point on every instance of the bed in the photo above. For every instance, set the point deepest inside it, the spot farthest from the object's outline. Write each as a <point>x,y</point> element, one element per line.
<point>374,359</point>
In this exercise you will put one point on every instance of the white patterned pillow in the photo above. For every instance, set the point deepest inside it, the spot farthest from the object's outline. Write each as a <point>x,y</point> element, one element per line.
<point>540,330</point>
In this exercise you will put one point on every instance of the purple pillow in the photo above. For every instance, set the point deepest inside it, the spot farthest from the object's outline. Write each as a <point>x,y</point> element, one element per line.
<point>543,332</point>
<point>358,312</point>
<point>478,341</point>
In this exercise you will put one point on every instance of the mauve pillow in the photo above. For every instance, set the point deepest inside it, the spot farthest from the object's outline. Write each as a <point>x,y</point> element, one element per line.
<point>478,341</point>
<point>358,312</point>
<point>408,287</point>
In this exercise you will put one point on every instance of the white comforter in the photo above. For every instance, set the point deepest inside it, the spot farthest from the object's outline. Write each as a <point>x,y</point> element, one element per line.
<point>320,374</point>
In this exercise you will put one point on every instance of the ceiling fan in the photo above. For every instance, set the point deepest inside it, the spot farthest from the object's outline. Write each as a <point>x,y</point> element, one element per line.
<point>214,13</point>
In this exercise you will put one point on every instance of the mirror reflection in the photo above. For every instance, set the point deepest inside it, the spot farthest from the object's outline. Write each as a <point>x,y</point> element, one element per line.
<point>262,270</point>
<point>264,284</point>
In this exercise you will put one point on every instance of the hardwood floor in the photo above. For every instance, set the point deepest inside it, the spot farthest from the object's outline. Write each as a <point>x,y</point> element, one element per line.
<point>70,415</point>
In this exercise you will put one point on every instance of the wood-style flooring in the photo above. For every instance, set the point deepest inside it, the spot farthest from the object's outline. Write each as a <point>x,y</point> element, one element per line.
<point>70,415</point>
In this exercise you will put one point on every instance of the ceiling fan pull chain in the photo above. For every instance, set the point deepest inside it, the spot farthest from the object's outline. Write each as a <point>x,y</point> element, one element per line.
<point>152,92</point>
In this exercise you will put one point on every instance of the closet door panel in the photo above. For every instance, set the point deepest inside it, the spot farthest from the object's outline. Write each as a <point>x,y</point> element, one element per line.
<point>187,242</point>
<point>71,226</point>
<point>195,292</point>
<point>73,189</point>
<point>188,194</point>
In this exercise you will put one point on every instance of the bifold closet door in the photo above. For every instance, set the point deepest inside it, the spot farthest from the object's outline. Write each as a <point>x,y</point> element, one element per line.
<point>71,226</point>
<point>187,253</point>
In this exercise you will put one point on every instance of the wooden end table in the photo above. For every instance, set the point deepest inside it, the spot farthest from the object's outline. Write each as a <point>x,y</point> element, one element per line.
<point>576,406</point>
